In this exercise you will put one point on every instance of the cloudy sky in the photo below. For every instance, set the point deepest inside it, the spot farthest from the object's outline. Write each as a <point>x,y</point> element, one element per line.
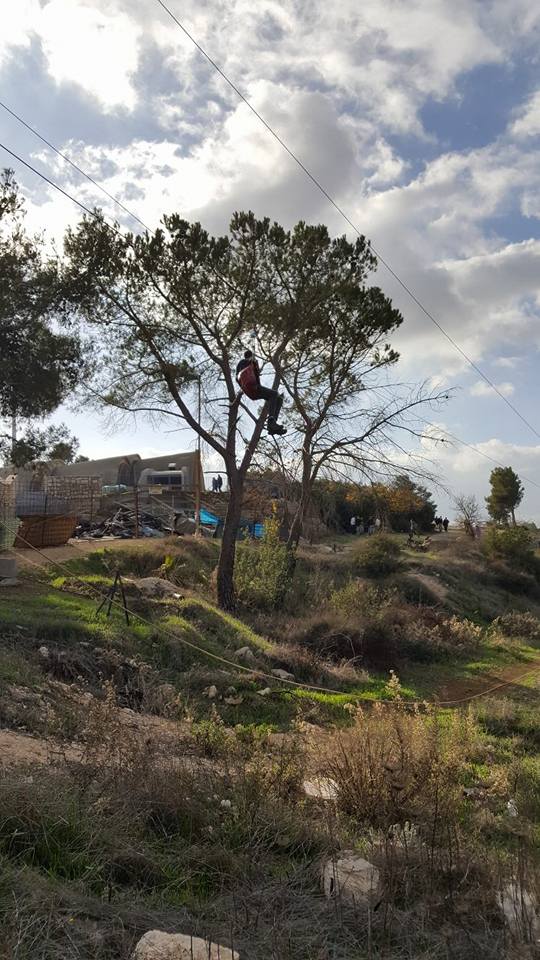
<point>421,118</point>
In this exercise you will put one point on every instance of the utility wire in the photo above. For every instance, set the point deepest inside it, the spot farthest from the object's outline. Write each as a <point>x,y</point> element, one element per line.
<point>347,219</point>
<point>93,213</point>
<point>475,449</point>
<point>16,156</point>
<point>73,164</point>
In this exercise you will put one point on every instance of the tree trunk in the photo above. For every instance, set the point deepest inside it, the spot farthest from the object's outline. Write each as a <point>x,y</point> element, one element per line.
<point>225,571</point>
<point>13,434</point>
<point>305,499</point>
<point>513,516</point>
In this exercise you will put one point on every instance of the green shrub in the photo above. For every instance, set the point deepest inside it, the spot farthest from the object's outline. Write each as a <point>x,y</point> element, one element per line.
<point>359,597</point>
<point>380,557</point>
<point>515,545</point>
<point>263,573</point>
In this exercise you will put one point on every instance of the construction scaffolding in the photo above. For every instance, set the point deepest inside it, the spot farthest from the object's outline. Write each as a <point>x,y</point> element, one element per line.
<point>48,508</point>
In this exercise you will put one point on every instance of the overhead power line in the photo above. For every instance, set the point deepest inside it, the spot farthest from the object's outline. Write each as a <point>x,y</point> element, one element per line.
<point>29,166</point>
<point>345,216</point>
<point>471,446</point>
<point>93,213</point>
<point>72,163</point>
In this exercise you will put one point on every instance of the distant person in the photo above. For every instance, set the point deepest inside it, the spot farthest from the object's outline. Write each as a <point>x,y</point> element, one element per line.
<point>477,531</point>
<point>445,524</point>
<point>377,524</point>
<point>219,483</point>
<point>412,527</point>
<point>249,379</point>
<point>214,484</point>
<point>352,523</point>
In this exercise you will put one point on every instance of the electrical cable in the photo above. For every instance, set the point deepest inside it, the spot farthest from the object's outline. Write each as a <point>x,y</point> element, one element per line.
<point>475,449</point>
<point>347,219</point>
<point>73,164</point>
<point>259,673</point>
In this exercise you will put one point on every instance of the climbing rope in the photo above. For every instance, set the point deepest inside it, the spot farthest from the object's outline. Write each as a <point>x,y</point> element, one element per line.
<point>259,674</point>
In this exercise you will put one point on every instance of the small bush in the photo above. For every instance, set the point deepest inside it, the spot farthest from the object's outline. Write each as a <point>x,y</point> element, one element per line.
<point>436,639</point>
<point>509,578</point>
<point>380,557</point>
<point>515,545</point>
<point>263,574</point>
<point>359,597</point>
<point>516,624</point>
<point>368,640</point>
<point>394,766</point>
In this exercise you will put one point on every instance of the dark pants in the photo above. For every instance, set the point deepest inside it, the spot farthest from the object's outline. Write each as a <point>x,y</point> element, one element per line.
<point>273,399</point>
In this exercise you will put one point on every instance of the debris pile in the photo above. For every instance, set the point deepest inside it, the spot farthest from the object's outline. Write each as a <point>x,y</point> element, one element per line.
<point>123,524</point>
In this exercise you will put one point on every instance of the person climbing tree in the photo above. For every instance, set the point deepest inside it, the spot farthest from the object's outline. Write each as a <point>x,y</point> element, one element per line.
<point>249,378</point>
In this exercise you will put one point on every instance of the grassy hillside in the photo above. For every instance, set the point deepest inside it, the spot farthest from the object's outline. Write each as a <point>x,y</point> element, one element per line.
<point>149,781</point>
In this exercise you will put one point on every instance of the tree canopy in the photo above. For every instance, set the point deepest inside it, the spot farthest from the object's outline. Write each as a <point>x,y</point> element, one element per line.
<point>506,494</point>
<point>39,366</point>
<point>173,312</point>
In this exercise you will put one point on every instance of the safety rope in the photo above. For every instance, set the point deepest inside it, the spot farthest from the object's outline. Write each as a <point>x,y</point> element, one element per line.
<point>259,674</point>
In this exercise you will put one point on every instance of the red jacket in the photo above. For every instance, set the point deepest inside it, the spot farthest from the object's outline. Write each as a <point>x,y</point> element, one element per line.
<point>247,374</point>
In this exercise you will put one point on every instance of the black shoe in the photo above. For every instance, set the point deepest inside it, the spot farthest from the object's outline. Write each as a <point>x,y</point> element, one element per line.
<point>275,429</point>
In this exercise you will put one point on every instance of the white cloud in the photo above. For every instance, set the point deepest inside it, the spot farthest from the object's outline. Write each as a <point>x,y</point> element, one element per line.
<point>508,362</point>
<point>483,389</point>
<point>336,81</point>
<point>527,124</point>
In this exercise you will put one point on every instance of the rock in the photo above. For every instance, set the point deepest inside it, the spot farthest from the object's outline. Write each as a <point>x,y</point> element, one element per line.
<point>156,945</point>
<point>245,654</point>
<point>211,692</point>
<point>321,788</point>
<point>350,877</point>
<point>521,912</point>
<point>282,675</point>
<point>233,701</point>
<point>44,652</point>
<point>265,693</point>
<point>8,568</point>
<point>512,808</point>
<point>157,587</point>
<point>230,692</point>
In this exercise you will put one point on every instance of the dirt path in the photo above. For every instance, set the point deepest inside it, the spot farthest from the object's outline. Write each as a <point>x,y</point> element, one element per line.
<point>462,687</point>
<point>20,749</point>
<point>72,550</point>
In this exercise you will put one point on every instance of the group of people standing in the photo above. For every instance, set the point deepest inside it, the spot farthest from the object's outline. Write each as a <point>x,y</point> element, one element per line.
<point>358,525</point>
<point>441,524</point>
<point>217,484</point>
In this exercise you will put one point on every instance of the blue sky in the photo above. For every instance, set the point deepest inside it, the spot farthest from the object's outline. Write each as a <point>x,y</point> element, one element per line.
<point>421,117</point>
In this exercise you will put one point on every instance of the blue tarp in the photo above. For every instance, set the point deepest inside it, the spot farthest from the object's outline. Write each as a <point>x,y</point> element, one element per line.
<point>210,520</point>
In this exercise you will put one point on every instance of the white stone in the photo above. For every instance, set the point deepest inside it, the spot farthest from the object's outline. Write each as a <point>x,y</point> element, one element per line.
<point>246,654</point>
<point>157,587</point>
<point>521,912</point>
<point>512,808</point>
<point>350,877</point>
<point>282,674</point>
<point>211,692</point>
<point>156,945</point>
<point>321,788</point>
<point>44,652</point>
<point>265,693</point>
